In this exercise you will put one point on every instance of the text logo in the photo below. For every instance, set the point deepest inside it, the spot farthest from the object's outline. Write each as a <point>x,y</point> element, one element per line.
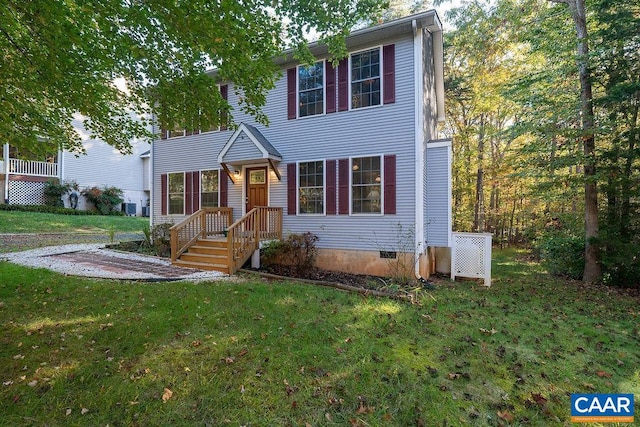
<point>602,408</point>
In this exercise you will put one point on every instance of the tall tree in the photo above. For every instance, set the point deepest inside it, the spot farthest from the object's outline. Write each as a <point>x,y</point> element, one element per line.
<point>61,57</point>
<point>592,267</point>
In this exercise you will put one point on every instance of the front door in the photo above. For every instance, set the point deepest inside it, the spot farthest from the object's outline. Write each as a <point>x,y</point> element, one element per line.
<point>257,190</point>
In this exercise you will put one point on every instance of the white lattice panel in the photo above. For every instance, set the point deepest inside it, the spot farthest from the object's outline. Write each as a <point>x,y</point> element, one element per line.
<point>471,256</point>
<point>26,193</point>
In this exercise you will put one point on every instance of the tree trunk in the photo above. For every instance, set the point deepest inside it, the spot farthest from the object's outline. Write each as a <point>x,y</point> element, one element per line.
<point>478,218</point>
<point>625,209</point>
<point>592,267</point>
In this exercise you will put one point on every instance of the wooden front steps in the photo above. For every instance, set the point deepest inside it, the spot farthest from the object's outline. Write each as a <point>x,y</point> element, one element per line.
<point>206,254</point>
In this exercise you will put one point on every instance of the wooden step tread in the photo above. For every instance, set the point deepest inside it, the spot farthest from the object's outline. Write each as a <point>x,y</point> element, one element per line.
<point>223,268</point>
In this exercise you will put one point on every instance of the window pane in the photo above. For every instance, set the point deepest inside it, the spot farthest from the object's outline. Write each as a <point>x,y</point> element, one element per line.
<point>176,193</point>
<point>366,185</point>
<point>311,89</point>
<point>209,189</point>
<point>365,78</point>
<point>311,187</point>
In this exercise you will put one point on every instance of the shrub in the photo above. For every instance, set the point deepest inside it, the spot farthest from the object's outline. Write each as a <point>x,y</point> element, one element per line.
<point>161,239</point>
<point>54,190</point>
<point>45,209</point>
<point>296,253</point>
<point>563,255</point>
<point>105,200</point>
<point>621,263</point>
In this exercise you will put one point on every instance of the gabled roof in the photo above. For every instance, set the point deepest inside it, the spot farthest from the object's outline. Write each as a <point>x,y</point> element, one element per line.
<point>237,151</point>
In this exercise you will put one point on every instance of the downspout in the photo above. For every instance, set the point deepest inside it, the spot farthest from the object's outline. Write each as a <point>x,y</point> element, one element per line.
<point>418,143</point>
<point>5,156</point>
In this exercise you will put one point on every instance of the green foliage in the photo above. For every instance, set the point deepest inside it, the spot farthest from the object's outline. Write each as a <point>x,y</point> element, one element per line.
<point>160,235</point>
<point>162,59</point>
<point>54,190</point>
<point>106,200</point>
<point>45,209</point>
<point>297,253</point>
<point>563,254</point>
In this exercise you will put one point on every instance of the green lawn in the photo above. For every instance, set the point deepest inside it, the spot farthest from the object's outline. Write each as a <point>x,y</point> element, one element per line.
<point>37,222</point>
<point>250,352</point>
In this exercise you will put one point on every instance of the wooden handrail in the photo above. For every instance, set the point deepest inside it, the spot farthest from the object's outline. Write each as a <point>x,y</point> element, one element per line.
<point>244,235</point>
<point>204,223</point>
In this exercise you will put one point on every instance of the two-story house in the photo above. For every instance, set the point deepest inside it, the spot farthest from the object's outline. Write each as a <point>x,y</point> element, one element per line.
<point>351,154</point>
<point>23,176</point>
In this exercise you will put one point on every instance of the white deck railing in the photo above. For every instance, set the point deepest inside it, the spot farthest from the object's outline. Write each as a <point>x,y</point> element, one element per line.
<point>33,168</point>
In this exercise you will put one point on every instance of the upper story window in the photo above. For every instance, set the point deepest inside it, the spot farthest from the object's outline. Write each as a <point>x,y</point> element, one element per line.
<point>209,189</point>
<point>311,89</point>
<point>176,193</point>
<point>366,185</point>
<point>176,132</point>
<point>366,78</point>
<point>311,187</point>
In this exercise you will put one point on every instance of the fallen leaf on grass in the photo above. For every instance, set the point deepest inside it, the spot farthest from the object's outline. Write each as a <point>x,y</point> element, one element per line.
<point>603,374</point>
<point>488,331</point>
<point>84,411</point>
<point>538,399</point>
<point>166,395</point>
<point>364,409</point>
<point>68,412</point>
<point>243,352</point>
<point>506,415</point>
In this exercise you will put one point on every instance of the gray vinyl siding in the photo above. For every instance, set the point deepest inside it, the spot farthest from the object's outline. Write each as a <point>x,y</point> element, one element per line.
<point>246,151</point>
<point>381,130</point>
<point>437,221</point>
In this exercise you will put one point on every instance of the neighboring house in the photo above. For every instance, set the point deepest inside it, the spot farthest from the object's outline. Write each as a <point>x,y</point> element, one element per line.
<point>23,177</point>
<point>351,153</point>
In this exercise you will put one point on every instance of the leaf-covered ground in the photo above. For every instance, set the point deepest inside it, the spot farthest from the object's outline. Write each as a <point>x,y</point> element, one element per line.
<point>263,353</point>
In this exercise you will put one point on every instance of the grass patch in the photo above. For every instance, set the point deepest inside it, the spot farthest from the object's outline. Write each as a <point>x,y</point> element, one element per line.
<point>95,352</point>
<point>38,222</point>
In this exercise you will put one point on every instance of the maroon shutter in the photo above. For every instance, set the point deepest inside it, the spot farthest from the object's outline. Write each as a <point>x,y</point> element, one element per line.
<point>164,184</point>
<point>224,189</point>
<point>343,85</point>
<point>331,87</point>
<point>343,186</point>
<point>196,191</point>
<point>224,117</point>
<point>188,193</point>
<point>291,189</point>
<point>331,187</point>
<point>292,107</point>
<point>390,184</point>
<point>389,73</point>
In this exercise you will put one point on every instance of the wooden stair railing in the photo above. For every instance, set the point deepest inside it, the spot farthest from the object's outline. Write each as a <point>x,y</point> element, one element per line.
<point>244,235</point>
<point>204,223</point>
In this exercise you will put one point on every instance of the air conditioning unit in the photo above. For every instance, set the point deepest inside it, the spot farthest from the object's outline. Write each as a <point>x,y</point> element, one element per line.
<point>129,209</point>
<point>145,211</point>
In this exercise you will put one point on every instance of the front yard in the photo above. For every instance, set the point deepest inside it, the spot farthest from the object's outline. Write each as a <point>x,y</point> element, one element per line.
<point>251,352</point>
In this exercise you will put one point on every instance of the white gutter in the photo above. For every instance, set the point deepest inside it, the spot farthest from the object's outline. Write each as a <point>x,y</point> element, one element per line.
<point>418,143</point>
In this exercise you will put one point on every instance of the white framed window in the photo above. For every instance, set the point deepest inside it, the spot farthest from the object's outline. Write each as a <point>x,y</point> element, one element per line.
<point>176,133</point>
<point>365,72</point>
<point>209,188</point>
<point>311,84</point>
<point>366,185</point>
<point>311,187</point>
<point>175,193</point>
